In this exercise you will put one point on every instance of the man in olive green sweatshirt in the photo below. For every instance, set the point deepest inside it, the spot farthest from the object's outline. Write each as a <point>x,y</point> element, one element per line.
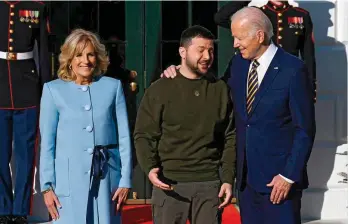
<point>184,133</point>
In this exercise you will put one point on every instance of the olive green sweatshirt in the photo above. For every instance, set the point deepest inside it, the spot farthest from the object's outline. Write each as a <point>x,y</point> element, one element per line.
<point>186,128</point>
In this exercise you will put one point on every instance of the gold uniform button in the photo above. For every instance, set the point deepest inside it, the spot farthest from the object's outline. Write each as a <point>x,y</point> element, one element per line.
<point>12,6</point>
<point>280,37</point>
<point>280,21</point>
<point>280,28</point>
<point>12,14</point>
<point>11,31</point>
<point>29,26</point>
<point>32,71</point>
<point>279,14</point>
<point>296,32</point>
<point>11,48</point>
<point>11,22</point>
<point>11,40</point>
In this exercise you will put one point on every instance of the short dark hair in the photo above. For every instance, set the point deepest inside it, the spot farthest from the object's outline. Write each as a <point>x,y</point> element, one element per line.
<point>195,31</point>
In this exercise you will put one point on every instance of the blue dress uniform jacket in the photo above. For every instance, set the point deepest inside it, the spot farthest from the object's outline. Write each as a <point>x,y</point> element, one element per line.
<point>292,28</point>
<point>22,23</point>
<point>73,120</point>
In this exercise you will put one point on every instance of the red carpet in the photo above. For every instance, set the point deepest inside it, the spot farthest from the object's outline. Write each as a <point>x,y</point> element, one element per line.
<point>141,214</point>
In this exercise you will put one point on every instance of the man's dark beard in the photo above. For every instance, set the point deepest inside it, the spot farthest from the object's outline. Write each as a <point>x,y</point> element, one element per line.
<point>194,69</point>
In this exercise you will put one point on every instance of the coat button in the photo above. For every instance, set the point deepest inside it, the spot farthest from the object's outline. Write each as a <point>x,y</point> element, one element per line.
<point>12,14</point>
<point>279,14</point>
<point>89,128</point>
<point>90,150</point>
<point>11,22</point>
<point>84,88</point>
<point>87,107</point>
<point>12,6</point>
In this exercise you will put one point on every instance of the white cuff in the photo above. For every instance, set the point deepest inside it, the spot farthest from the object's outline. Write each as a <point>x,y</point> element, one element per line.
<point>287,180</point>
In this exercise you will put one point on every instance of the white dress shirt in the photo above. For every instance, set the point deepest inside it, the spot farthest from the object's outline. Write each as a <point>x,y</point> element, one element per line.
<point>264,61</point>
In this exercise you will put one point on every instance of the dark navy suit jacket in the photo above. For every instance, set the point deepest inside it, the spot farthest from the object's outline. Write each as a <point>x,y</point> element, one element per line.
<point>277,137</point>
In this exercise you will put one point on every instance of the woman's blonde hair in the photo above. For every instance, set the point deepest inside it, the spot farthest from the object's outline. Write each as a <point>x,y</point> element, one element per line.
<point>75,44</point>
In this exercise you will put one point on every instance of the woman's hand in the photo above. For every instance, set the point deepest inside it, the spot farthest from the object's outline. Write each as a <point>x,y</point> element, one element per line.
<point>52,203</point>
<point>121,197</point>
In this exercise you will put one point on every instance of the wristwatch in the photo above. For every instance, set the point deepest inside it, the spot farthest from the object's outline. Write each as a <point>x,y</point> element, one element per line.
<point>47,190</point>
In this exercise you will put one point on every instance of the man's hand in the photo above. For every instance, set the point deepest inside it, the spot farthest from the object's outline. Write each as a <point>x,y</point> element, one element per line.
<point>226,189</point>
<point>170,72</point>
<point>153,177</point>
<point>52,203</point>
<point>280,189</point>
<point>121,197</point>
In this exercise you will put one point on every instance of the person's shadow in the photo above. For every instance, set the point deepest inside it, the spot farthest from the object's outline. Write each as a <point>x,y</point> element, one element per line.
<point>328,161</point>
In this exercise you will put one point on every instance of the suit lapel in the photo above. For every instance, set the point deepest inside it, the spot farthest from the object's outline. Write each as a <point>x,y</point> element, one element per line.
<point>244,71</point>
<point>271,73</point>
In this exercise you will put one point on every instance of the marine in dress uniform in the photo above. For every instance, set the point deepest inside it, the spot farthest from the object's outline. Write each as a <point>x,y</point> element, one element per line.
<point>21,24</point>
<point>292,28</point>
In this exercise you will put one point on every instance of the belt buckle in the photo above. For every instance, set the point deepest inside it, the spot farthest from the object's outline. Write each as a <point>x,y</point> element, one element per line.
<point>11,56</point>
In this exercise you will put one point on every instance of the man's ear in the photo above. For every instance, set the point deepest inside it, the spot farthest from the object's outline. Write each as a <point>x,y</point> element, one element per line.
<point>261,36</point>
<point>182,52</point>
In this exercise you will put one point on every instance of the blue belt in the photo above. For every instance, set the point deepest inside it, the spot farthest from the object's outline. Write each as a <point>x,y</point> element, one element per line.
<point>100,158</point>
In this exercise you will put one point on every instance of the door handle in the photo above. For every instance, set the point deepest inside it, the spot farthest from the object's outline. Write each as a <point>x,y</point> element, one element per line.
<point>133,86</point>
<point>133,74</point>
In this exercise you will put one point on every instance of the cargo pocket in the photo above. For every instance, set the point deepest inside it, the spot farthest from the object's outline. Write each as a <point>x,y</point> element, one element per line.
<point>62,188</point>
<point>157,200</point>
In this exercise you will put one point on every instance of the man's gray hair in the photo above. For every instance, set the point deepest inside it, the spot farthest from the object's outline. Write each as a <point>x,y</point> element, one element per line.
<point>256,19</point>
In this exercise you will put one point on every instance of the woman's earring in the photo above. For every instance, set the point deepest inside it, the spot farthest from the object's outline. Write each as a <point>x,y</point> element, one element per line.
<point>70,67</point>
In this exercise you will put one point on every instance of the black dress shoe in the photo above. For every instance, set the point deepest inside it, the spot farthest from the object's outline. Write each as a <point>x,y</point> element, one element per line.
<point>5,219</point>
<point>19,220</point>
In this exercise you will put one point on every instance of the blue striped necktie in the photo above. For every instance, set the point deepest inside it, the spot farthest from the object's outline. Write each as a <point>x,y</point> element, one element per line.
<point>253,85</point>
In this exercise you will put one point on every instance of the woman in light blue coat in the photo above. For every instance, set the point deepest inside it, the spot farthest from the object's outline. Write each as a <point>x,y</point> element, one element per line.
<point>85,160</point>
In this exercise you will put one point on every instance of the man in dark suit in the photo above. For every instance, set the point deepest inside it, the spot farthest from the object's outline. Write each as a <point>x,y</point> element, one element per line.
<point>274,108</point>
<point>292,28</point>
<point>22,24</point>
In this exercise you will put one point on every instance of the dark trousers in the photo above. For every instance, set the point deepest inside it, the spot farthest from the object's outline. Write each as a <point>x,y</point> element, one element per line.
<point>256,208</point>
<point>19,126</point>
<point>196,201</point>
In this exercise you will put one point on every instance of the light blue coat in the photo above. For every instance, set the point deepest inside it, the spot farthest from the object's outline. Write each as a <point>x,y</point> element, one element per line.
<point>73,119</point>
